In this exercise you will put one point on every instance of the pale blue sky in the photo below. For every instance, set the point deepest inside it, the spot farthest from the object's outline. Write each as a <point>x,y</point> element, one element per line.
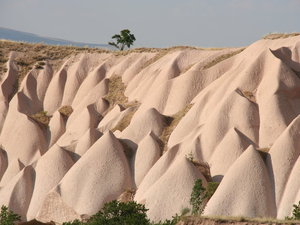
<point>155,23</point>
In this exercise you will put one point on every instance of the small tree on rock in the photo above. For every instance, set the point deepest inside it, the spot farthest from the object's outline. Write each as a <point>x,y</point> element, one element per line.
<point>125,38</point>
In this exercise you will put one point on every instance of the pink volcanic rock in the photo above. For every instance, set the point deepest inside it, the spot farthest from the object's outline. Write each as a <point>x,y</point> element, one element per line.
<point>108,176</point>
<point>55,90</point>
<point>3,163</point>
<point>246,189</point>
<point>94,96</point>
<point>3,110</point>
<point>36,83</point>
<point>156,171</point>
<point>113,117</point>
<point>57,127</point>
<point>49,170</point>
<point>143,122</point>
<point>278,99</point>
<point>17,193</point>
<point>87,140</point>
<point>55,209</point>
<point>77,72</point>
<point>282,158</point>
<point>9,80</point>
<point>227,152</point>
<point>133,68</point>
<point>233,111</point>
<point>20,139</point>
<point>291,193</point>
<point>172,95</point>
<point>93,78</point>
<point>250,98</point>
<point>172,190</point>
<point>13,168</point>
<point>88,118</point>
<point>150,150</point>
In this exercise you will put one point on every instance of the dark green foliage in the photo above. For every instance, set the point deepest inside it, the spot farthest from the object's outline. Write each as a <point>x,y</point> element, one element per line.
<point>125,38</point>
<point>8,217</point>
<point>211,188</point>
<point>120,213</point>
<point>74,222</point>
<point>198,196</point>
<point>296,213</point>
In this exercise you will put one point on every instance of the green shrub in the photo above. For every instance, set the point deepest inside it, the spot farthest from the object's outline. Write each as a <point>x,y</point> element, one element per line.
<point>74,222</point>
<point>8,217</point>
<point>123,213</point>
<point>120,213</point>
<point>211,188</point>
<point>296,213</point>
<point>198,196</point>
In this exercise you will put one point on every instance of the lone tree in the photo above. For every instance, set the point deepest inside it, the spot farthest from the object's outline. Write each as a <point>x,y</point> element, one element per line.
<point>125,38</point>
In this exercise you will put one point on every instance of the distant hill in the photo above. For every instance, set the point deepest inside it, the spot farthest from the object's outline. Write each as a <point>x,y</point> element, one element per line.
<point>15,35</point>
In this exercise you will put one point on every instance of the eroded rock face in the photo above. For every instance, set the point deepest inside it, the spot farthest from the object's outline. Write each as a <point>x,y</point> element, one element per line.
<point>121,124</point>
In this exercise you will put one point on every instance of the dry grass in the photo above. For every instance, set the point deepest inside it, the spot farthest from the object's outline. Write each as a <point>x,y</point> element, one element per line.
<point>247,94</point>
<point>222,58</point>
<point>125,120</point>
<point>34,55</point>
<point>195,220</point>
<point>115,95</point>
<point>274,36</point>
<point>116,89</point>
<point>127,195</point>
<point>265,149</point>
<point>172,122</point>
<point>66,110</point>
<point>41,117</point>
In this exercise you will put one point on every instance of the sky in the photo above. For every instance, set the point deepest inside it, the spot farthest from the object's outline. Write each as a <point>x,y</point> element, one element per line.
<point>155,23</point>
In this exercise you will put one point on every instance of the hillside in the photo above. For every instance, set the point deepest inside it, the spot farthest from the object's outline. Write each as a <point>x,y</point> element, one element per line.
<point>14,35</point>
<point>81,127</point>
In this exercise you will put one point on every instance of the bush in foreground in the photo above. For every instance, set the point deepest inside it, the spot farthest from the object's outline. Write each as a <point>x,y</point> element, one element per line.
<point>8,217</point>
<point>296,213</point>
<point>122,213</point>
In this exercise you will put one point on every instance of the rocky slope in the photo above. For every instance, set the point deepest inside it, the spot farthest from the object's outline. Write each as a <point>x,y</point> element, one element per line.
<point>137,125</point>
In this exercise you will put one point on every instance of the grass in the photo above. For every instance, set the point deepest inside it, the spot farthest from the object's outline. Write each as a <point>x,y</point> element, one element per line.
<point>222,58</point>
<point>274,36</point>
<point>247,94</point>
<point>66,110</point>
<point>125,121</point>
<point>265,149</point>
<point>115,95</point>
<point>116,89</point>
<point>34,55</point>
<point>41,117</point>
<point>194,220</point>
<point>127,195</point>
<point>171,124</point>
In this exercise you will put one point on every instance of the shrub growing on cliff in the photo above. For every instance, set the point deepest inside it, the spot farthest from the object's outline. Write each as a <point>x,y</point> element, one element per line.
<point>198,197</point>
<point>296,213</point>
<point>121,213</point>
<point>8,217</point>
